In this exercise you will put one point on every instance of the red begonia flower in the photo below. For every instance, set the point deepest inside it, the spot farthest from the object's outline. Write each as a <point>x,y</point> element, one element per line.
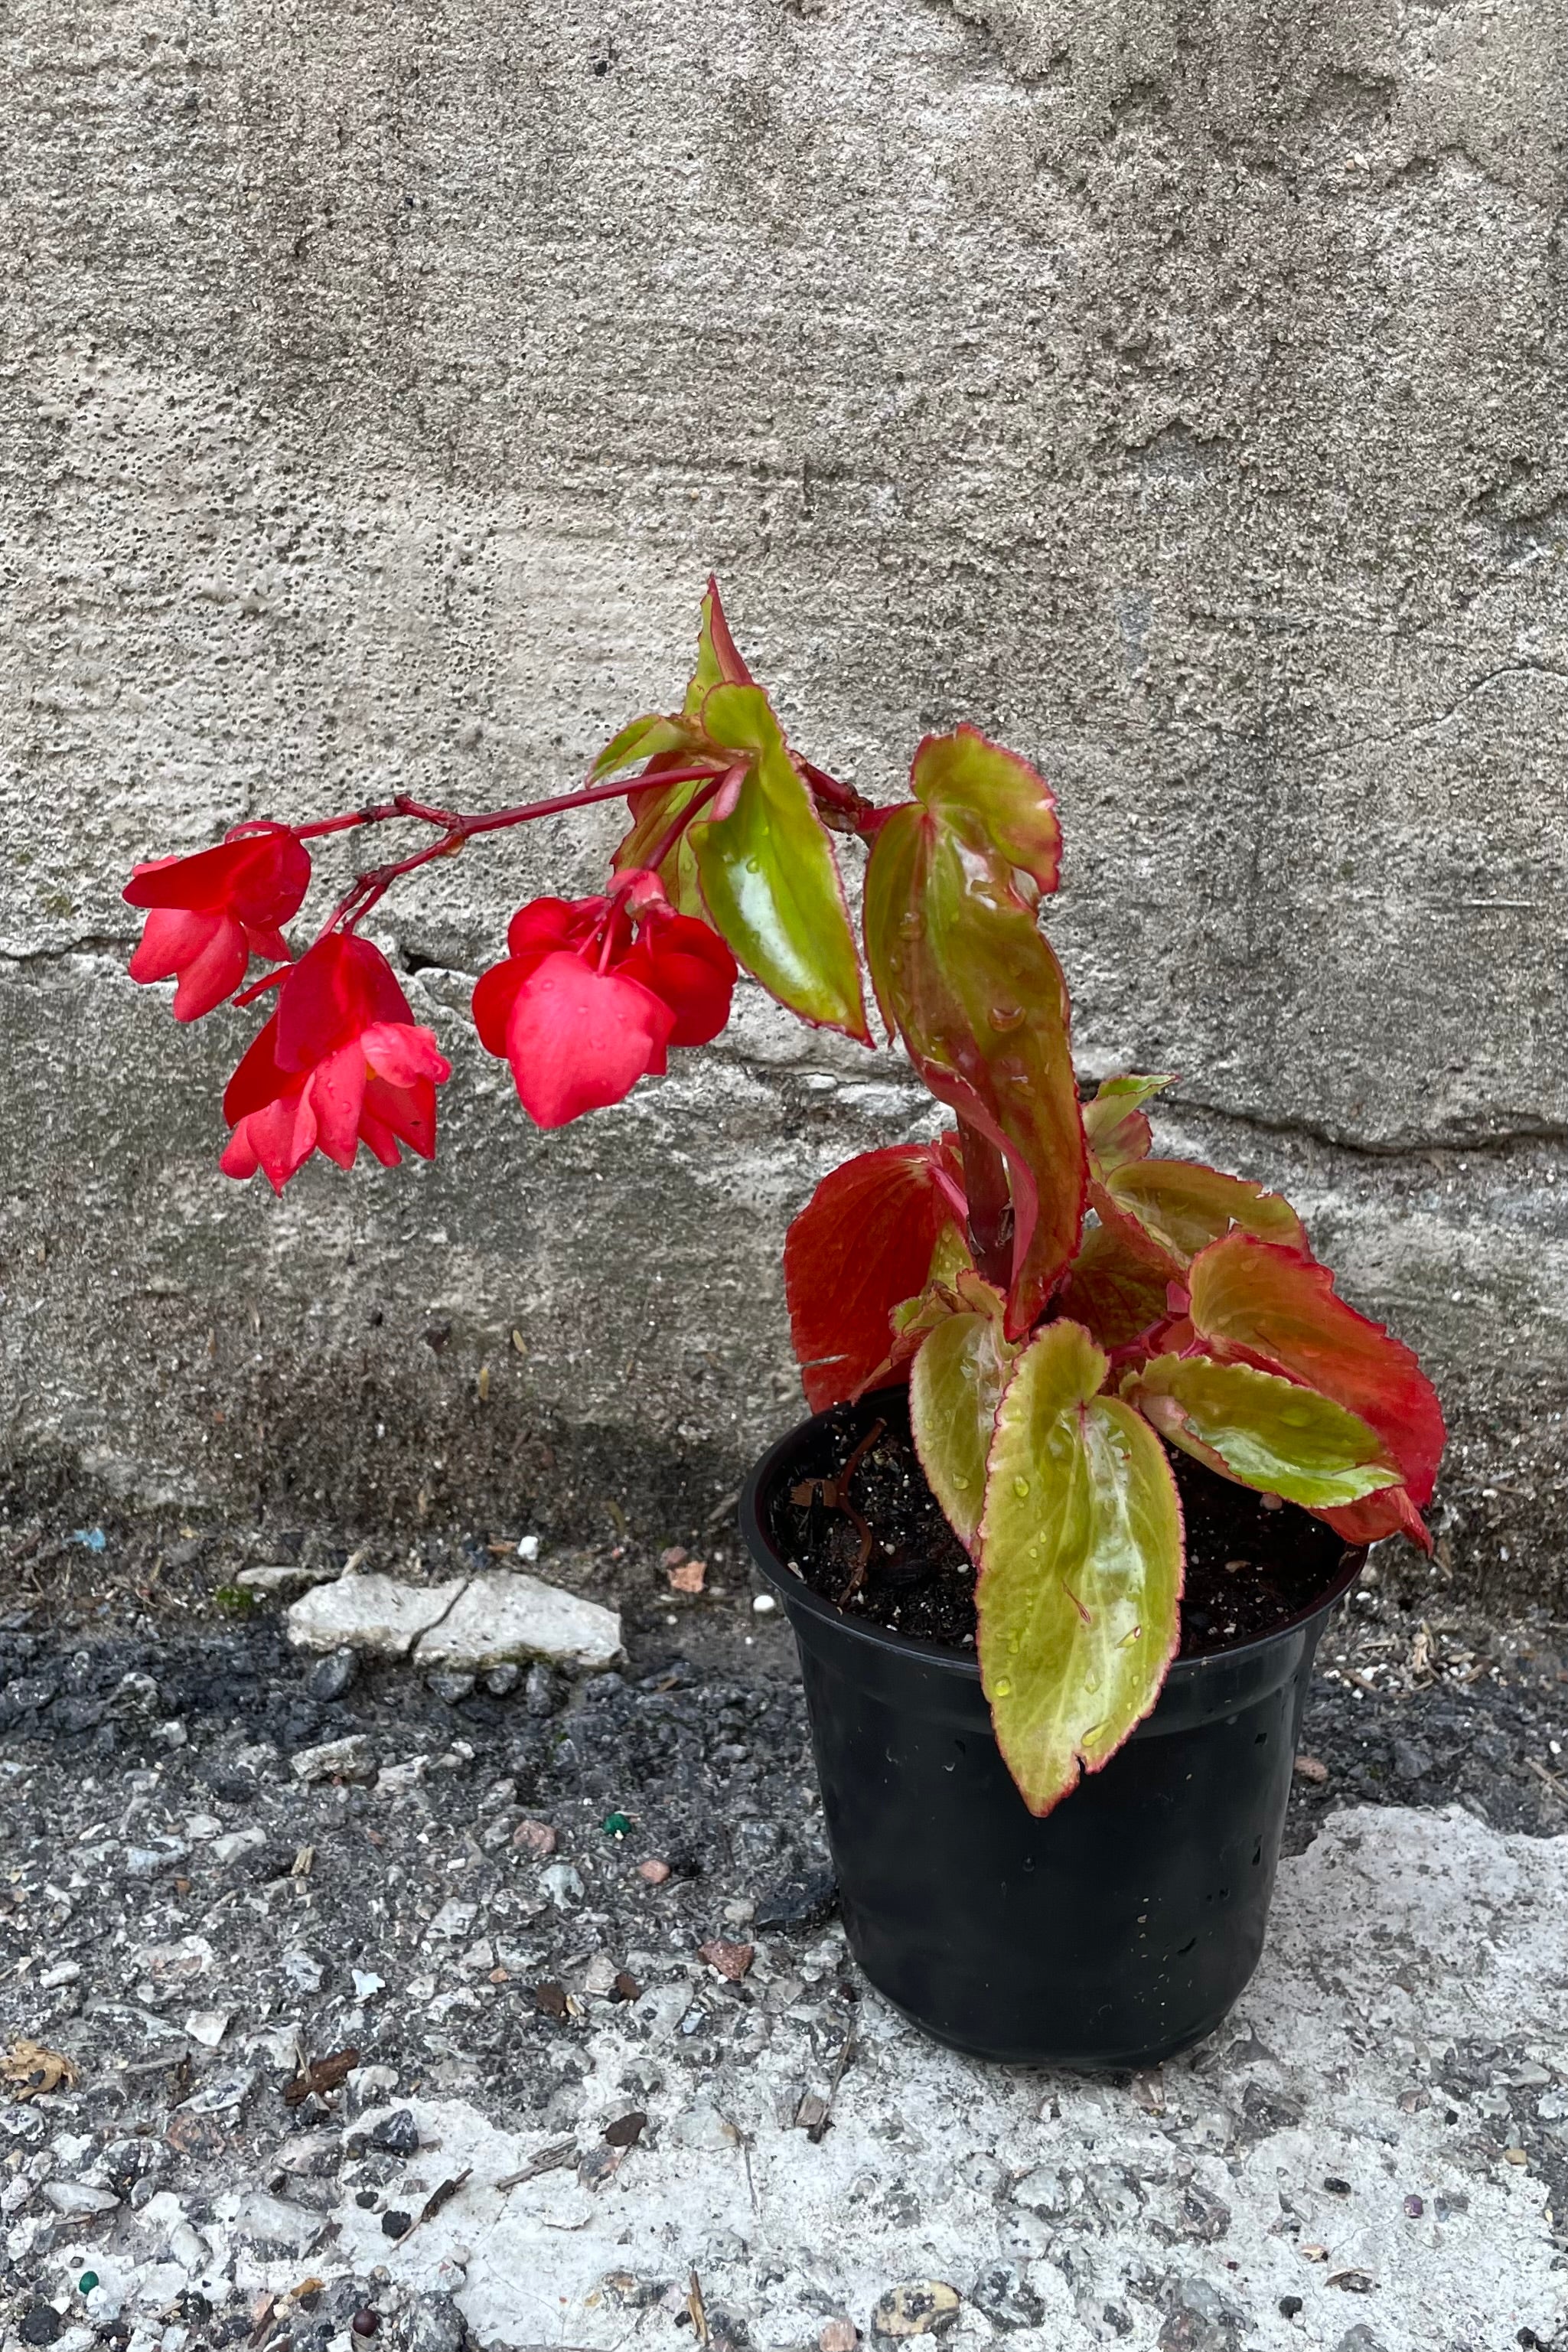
<point>211,913</point>
<point>340,1063</point>
<point>593,992</point>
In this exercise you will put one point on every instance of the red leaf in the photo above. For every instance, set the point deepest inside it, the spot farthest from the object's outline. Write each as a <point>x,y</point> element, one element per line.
<point>1389,1512</point>
<point>1116,1287</point>
<point>860,1247</point>
<point>1264,1304</point>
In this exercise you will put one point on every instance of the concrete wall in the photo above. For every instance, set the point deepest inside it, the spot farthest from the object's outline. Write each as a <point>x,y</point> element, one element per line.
<point>1176,390</point>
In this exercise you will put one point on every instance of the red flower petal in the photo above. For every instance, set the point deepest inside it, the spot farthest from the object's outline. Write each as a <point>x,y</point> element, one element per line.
<point>261,878</point>
<point>258,1079</point>
<point>496,992</point>
<point>335,992</point>
<point>216,974</point>
<point>690,967</point>
<point>337,1091</point>
<point>550,923</point>
<point>579,1040</point>
<point>171,938</point>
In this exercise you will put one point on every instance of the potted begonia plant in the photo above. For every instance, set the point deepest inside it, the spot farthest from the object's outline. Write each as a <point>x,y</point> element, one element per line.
<point>1095,1445</point>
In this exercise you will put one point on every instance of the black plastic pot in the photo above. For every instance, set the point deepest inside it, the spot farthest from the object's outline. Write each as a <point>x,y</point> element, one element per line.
<point>1113,1933</point>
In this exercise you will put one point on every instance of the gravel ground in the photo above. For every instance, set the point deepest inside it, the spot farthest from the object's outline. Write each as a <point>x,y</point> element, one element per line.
<point>191,1918</point>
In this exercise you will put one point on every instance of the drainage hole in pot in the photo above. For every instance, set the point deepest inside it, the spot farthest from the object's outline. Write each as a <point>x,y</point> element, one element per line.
<point>1257,1855</point>
<point>1261,1739</point>
<point>1183,1949</point>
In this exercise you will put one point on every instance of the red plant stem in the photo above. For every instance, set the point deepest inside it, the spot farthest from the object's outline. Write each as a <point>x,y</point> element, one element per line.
<point>371,887</point>
<point>835,799</point>
<point>990,1205</point>
<point>679,823</point>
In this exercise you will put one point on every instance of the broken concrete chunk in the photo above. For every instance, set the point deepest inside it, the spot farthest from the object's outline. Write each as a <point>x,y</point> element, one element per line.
<point>500,1618</point>
<point>369,1613</point>
<point>465,1628</point>
<point>336,1759</point>
<point>77,2200</point>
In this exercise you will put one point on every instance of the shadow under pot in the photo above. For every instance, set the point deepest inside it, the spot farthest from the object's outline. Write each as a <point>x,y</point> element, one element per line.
<point>1123,1926</point>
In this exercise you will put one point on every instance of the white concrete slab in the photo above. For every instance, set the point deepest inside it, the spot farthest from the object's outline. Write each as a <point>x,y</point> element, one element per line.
<point>1176,2211</point>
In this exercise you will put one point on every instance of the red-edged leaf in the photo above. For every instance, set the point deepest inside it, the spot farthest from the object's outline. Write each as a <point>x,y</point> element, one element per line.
<point>1181,1207</point>
<point>1117,1124</point>
<point>1080,1568</point>
<point>1117,1285</point>
<point>718,663</point>
<point>861,1246</point>
<point>963,973</point>
<point>1260,1303</point>
<point>649,738</point>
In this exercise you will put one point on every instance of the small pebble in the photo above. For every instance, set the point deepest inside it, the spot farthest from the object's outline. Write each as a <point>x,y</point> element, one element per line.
<point>838,2335</point>
<point>1415,2207</point>
<point>396,2225</point>
<point>365,2323</point>
<point>730,1960</point>
<point>656,1873</point>
<point>1289,2306</point>
<point>501,1680</point>
<point>332,1675</point>
<point>450,1687</point>
<point>534,1837</point>
<point>764,1604</point>
<point>397,2134</point>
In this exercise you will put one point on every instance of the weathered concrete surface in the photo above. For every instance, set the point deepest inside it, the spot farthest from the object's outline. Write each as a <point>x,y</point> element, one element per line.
<point>1178,393</point>
<point>224,1859</point>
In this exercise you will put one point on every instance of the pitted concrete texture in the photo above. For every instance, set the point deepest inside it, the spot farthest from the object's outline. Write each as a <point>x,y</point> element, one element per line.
<point>1342,2167</point>
<point>1176,392</point>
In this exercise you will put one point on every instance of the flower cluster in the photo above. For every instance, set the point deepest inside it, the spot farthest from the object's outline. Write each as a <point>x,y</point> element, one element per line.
<point>211,913</point>
<point>593,991</point>
<point>587,1001</point>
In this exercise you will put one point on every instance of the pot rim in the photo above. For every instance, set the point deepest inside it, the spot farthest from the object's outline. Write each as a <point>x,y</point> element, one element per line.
<point>795,1592</point>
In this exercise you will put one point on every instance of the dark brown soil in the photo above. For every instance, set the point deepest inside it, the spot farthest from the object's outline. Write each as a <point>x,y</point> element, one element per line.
<point>1248,1568</point>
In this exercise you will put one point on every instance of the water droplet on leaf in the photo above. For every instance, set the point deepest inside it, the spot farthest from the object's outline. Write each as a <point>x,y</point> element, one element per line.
<point>1020,1487</point>
<point>1004,1688</point>
<point>1006,1016</point>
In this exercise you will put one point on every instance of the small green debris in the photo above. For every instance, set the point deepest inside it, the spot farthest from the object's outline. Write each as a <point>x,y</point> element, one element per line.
<point>237,1597</point>
<point>615,1825</point>
<point>88,2281</point>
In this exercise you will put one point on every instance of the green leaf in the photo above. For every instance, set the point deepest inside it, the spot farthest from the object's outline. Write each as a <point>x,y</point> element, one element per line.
<point>768,875</point>
<point>1261,1429</point>
<point>1116,1123</point>
<point>954,1387</point>
<point>1181,1206</point>
<point>963,973</point>
<point>1080,1568</point>
<point>719,663</point>
<point>649,738</point>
